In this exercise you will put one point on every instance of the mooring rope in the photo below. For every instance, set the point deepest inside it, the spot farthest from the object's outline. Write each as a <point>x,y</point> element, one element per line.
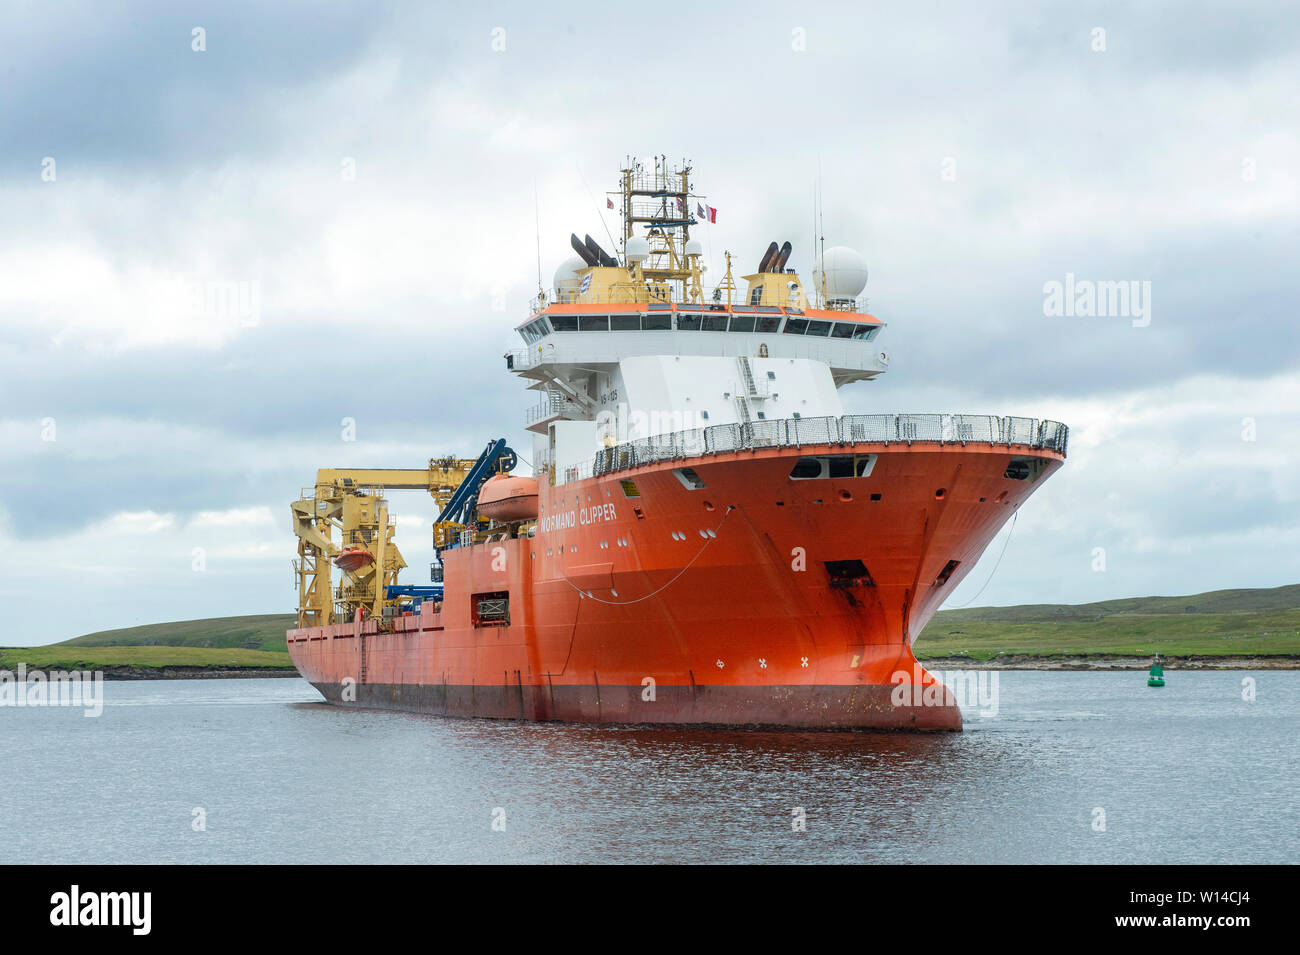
<point>1015,518</point>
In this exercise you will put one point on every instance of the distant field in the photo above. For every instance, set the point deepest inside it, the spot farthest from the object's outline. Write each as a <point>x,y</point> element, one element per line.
<point>1220,623</point>
<point>64,657</point>
<point>261,632</point>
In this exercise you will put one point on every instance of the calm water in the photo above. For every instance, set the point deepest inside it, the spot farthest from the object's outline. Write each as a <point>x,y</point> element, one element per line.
<point>1189,773</point>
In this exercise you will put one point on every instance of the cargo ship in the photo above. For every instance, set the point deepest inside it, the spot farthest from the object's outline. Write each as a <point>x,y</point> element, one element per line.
<point>707,537</point>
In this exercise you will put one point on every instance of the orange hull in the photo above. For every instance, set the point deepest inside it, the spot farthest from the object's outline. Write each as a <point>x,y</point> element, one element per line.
<point>741,602</point>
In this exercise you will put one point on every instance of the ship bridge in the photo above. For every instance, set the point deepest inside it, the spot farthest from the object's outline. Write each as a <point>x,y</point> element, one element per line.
<point>631,344</point>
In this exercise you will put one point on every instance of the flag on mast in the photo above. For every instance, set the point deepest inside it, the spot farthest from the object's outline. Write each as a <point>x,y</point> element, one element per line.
<point>609,203</point>
<point>707,213</point>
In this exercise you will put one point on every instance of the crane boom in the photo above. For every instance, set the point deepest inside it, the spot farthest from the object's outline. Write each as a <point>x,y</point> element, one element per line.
<point>352,501</point>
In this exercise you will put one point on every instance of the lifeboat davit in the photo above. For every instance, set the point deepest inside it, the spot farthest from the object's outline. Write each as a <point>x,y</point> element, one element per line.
<point>505,498</point>
<point>353,558</point>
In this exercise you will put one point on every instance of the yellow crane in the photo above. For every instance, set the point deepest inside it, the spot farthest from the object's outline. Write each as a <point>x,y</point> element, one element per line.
<point>351,501</point>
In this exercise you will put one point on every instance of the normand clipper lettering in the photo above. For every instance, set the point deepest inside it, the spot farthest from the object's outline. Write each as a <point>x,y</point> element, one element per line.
<point>587,515</point>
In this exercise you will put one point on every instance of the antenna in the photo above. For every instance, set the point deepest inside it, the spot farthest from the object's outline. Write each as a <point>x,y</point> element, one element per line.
<point>537,223</point>
<point>821,229</point>
<point>599,212</point>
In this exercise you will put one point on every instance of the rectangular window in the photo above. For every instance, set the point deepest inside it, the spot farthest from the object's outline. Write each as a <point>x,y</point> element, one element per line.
<point>845,572</point>
<point>742,323</point>
<point>490,609</point>
<point>842,330</point>
<point>625,323</point>
<point>690,480</point>
<point>864,333</point>
<point>946,573</point>
<point>564,323</point>
<point>688,323</point>
<point>656,323</point>
<point>593,323</point>
<point>768,325</point>
<point>821,329</point>
<point>796,326</point>
<point>715,323</point>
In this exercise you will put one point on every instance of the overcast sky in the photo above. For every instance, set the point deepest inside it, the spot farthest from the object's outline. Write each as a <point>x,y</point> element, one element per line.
<point>369,170</point>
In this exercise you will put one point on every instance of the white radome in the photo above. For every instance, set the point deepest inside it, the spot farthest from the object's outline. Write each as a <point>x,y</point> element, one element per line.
<point>694,247</point>
<point>846,273</point>
<point>637,249</point>
<point>566,276</point>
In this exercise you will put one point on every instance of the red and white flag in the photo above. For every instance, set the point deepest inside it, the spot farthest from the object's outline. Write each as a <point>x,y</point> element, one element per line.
<point>609,203</point>
<point>707,213</point>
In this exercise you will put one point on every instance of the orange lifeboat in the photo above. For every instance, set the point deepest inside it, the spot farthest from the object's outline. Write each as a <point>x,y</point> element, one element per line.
<point>352,558</point>
<point>508,499</point>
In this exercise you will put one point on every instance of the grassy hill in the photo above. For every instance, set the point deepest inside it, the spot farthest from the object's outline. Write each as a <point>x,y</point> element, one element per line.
<point>260,632</point>
<point>60,656</point>
<point>1218,623</point>
<point>1248,623</point>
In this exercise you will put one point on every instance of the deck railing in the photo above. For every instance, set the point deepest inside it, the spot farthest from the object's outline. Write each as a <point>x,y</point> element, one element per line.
<point>849,429</point>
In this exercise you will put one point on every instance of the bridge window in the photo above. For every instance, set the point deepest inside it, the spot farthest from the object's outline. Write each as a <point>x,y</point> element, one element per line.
<point>593,323</point>
<point>796,326</point>
<point>742,323</point>
<point>689,323</point>
<point>842,330</point>
<point>768,325</point>
<point>820,329</point>
<point>864,333</point>
<point>715,323</point>
<point>656,323</point>
<point>625,323</point>
<point>564,323</point>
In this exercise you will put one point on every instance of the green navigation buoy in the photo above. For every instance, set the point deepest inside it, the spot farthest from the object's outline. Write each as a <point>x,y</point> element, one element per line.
<point>1156,677</point>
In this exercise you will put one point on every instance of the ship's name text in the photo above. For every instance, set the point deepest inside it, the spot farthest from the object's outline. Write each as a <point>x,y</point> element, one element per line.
<point>585,515</point>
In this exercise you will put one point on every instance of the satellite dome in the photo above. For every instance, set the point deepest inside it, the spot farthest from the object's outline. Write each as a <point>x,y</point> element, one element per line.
<point>566,276</point>
<point>636,249</point>
<point>845,274</point>
<point>694,247</point>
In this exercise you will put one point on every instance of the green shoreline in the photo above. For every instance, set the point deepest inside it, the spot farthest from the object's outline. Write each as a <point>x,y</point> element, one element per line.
<point>1222,630</point>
